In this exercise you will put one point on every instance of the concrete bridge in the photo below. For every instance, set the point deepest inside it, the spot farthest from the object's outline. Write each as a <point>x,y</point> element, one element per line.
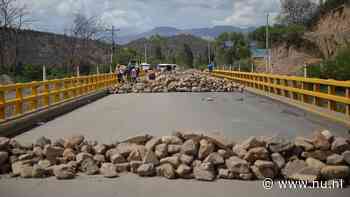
<point>115,117</point>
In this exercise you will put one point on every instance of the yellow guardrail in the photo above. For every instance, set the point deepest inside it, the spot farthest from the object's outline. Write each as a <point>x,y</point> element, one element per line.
<point>20,99</point>
<point>328,94</point>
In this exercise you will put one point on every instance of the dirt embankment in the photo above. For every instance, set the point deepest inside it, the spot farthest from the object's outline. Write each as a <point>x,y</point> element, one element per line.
<point>327,36</point>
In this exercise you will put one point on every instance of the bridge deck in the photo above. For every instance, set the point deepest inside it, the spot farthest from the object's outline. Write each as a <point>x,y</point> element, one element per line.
<point>115,117</point>
<point>237,115</point>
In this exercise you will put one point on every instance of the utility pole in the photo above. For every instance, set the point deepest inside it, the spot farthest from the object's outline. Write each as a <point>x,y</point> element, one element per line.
<point>44,73</point>
<point>209,52</point>
<point>267,45</point>
<point>114,46</point>
<point>145,53</point>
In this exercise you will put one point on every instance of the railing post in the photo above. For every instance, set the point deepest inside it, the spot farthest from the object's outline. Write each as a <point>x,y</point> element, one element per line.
<point>2,104</point>
<point>34,102</point>
<point>46,94</point>
<point>331,104</point>
<point>316,88</point>
<point>19,97</point>
<point>65,88</point>
<point>347,92</point>
<point>303,97</point>
<point>57,92</point>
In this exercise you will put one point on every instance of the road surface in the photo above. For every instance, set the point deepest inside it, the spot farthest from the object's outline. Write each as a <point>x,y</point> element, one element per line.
<point>115,117</point>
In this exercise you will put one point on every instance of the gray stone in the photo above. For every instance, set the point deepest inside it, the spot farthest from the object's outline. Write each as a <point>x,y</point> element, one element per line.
<point>259,153</point>
<point>335,159</point>
<point>68,154</point>
<point>122,167</point>
<point>99,158</point>
<point>146,170</point>
<point>304,143</point>
<point>173,148</point>
<point>315,163</point>
<point>63,172</point>
<point>237,165</point>
<point>340,145</point>
<point>279,145</point>
<point>173,160</point>
<point>42,142</point>
<point>317,154</point>
<point>190,147</point>
<point>205,148</point>
<point>335,172</point>
<point>166,170</point>
<point>308,174</point>
<point>219,140</point>
<point>44,163</point>
<point>89,167</point>
<point>187,135</point>
<point>320,141</point>
<point>38,152</point>
<point>135,155</point>
<point>171,140</point>
<point>117,158</point>
<point>186,159</point>
<point>27,156</point>
<point>134,165</point>
<point>204,172</point>
<point>215,159</point>
<point>151,157</point>
<point>39,172</point>
<point>183,170</point>
<point>26,171</point>
<point>100,149</point>
<point>53,152</point>
<point>139,139</point>
<point>4,142</point>
<point>161,150</point>
<point>328,135</point>
<point>108,170</point>
<point>3,157</point>
<point>82,156</point>
<point>226,174</point>
<point>293,167</point>
<point>346,156</point>
<point>152,143</point>
<point>252,142</point>
<point>17,167</point>
<point>246,176</point>
<point>73,141</point>
<point>239,151</point>
<point>278,159</point>
<point>264,169</point>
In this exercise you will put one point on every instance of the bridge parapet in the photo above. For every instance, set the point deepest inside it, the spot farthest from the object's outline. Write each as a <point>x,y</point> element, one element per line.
<point>327,96</point>
<point>17,100</point>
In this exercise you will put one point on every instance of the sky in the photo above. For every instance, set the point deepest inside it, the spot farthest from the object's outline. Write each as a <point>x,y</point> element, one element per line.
<point>136,16</point>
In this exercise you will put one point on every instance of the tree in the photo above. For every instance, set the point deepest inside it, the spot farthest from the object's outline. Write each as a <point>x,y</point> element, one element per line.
<point>298,12</point>
<point>188,56</point>
<point>13,16</point>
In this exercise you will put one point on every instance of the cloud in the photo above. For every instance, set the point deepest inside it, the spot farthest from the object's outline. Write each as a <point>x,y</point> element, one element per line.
<point>134,16</point>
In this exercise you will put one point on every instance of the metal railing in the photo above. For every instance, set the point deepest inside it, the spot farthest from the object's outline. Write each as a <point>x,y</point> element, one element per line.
<point>20,99</point>
<point>328,94</point>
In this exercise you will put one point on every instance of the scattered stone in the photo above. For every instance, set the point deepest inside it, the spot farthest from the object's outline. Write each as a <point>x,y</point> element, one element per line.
<point>190,147</point>
<point>152,143</point>
<point>225,153</point>
<point>86,149</point>
<point>304,143</point>
<point>309,174</point>
<point>320,141</point>
<point>278,159</point>
<point>44,164</point>
<point>335,159</point>
<point>27,156</point>
<point>38,152</point>
<point>279,145</point>
<point>68,154</point>
<point>82,156</point>
<point>293,167</point>
<point>53,152</point>
<point>39,172</point>
<point>117,158</point>
<point>173,148</point>
<point>99,159</point>
<point>264,169</point>
<point>151,157</point>
<point>335,172</point>
<point>3,157</point>
<point>89,167</point>
<point>183,170</point>
<point>204,172</point>
<point>239,151</point>
<point>173,160</point>
<point>166,170</point>
<point>315,163</point>
<point>134,165</point>
<point>226,174</point>
<point>146,170</point>
<point>205,148</point>
<point>139,139</point>
<point>122,167</point>
<point>42,142</point>
<point>328,135</point>
<point>317,154</point>
<point>63,171</point>
<point>340,145</point>
<point>259,153</point>
<point>109,170</point>
<point>161,150</point>
<point>73,141</point>
<point>215,159</point>
<point>171,140</point>
<point>346,156</point>
<point>4,142</point>
<point>100,149</point>
<point>237,165</point>
<point>252,142</point>
<point>26,171</point>
<point>219,140</point>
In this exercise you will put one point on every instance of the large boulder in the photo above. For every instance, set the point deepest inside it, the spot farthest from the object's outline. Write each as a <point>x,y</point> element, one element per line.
<point>252,142</point>
<point>215,159</point>
<point>320,141</point>
<point>335,159</point>
<point>161,150</point>
<point>151,158</point>
<point>317,154</point>
<point>100,149</point>
<point>304,143</point>
<point>183,170</point>
<point>139,139</point>
<point>173,160</point>
<point>82,156</point>
<point>226,174</point>
<point>278,159</point>
<point>264,169</point>
<point>279,145</point>
<point>173,148</point>
<point>3,157</point>
<point>53,152</point>
<point>152,143</point>
<point>219,140</point>
<point>315,163</point>
<point>89,167</point>
<point>39,171</point>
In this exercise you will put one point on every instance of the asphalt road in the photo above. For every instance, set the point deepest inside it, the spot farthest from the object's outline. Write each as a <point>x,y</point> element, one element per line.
<point>115,117</point>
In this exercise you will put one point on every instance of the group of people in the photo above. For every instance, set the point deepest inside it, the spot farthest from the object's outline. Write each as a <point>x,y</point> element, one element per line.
<point>127,73</point>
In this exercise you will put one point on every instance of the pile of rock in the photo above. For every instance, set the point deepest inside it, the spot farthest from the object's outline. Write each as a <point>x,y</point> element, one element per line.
<point>184,155</point>
<point>189,81</point>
